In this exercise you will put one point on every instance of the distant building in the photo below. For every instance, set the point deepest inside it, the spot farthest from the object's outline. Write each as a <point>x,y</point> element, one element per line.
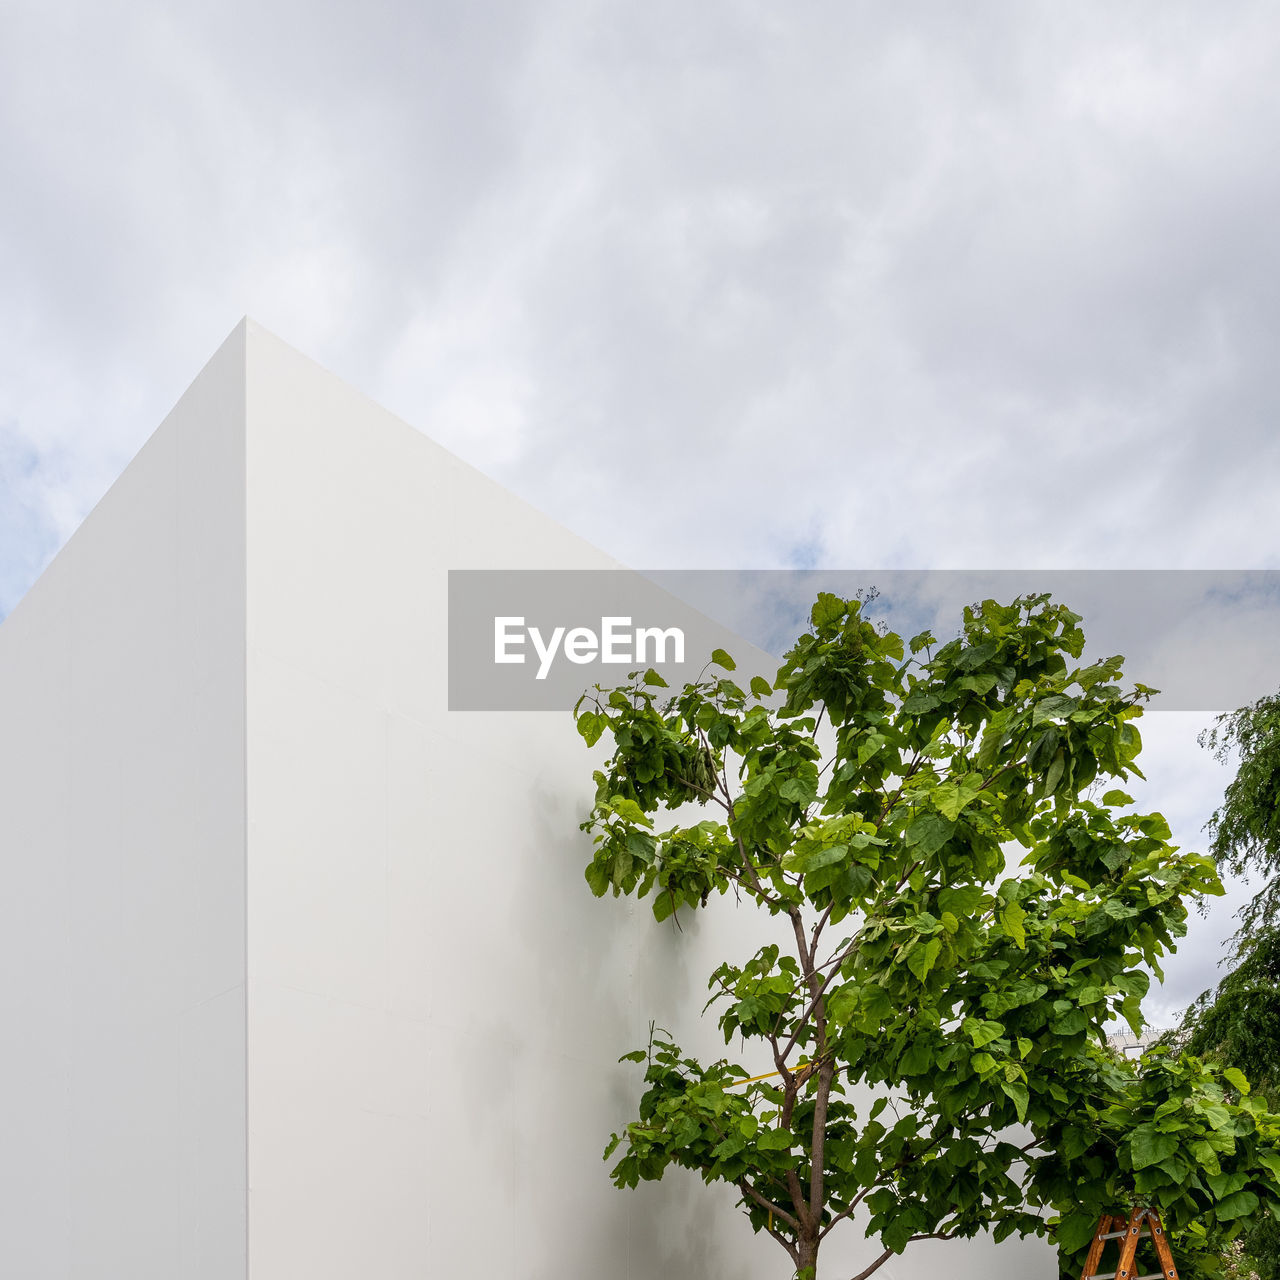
<point>1132,1046</point>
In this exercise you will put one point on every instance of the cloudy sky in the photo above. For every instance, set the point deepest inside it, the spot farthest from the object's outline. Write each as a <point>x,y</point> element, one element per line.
<point>717,285</point>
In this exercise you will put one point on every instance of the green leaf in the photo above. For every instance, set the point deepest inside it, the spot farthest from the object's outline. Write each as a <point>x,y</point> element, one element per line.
<point>981,685</point>
<point>1238,1205</point>
<point>1011,919</point>
<point>1154,826</point>
<point>591,725</point>
<point>761,687</point>
<point>963,900</point>
<point>775,1140</point>
<point>1075,1231</point>
<point>1225,1184</point>
<point>722,659</point>
<point>918,1058</point>
<point>1204,1155</point>
<point>828,609</point>
<point>1070,1023</point>
<point>921,701</point>
<point>653,678</point>
<point>797,790</point>
<point>1148,1147</point>
<point>734,1143</point>
<point>1020,1096</point>
<point>1004,1229</point>
<point>1218,1117</point>
<point>952,797</point>
<point>820,858</point>
<point>1056,706</point>
<point>1054,776</point>
<point>982,1033</point>
<point>664,905</point>
<point>922,958</point>
<point>928,834</point>
<point>598,878</point>
<point>1236,1079</point>
<point>629,811</point>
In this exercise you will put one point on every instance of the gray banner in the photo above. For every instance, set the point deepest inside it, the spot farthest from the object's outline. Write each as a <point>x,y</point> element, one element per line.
<point>534,640</point>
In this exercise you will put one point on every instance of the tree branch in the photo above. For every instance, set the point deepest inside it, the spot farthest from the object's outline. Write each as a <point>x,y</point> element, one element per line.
<point>888,1253</point>
<point>752,1194</point>
<point>835,961</point>
<point>875,1266</point>
<point>847,1211</point>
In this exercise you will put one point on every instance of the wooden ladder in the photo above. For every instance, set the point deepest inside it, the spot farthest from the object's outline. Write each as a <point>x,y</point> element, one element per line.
<point>1141,1224</point>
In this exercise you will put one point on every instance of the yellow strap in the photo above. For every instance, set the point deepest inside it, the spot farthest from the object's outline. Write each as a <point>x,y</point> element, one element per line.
<point>752,1079</point>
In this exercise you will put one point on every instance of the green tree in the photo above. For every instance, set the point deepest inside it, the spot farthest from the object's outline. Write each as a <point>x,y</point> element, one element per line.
<point>1245,829</point>
<point>1238,1023</point>
<point>865,800</point>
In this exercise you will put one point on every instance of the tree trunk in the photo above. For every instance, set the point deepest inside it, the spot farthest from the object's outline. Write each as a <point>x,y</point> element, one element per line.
<point>808,1256</point>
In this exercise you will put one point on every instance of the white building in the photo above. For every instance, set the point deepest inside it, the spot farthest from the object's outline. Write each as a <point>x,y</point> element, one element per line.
<point>301,978</point>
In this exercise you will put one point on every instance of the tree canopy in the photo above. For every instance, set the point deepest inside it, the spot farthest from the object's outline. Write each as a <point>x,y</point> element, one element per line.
<point>871,799</point>
<point>1238,1023</point>
<point>1245,829</point>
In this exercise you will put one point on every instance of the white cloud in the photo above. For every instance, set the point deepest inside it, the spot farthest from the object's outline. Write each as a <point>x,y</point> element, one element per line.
<point>968,287</point>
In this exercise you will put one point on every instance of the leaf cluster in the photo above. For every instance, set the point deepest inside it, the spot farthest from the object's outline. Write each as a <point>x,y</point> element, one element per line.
<point>1172,1131</point>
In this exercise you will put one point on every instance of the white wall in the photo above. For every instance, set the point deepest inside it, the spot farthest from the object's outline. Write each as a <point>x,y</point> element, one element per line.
<point>122,1141</point>
<point>437,1003</point>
